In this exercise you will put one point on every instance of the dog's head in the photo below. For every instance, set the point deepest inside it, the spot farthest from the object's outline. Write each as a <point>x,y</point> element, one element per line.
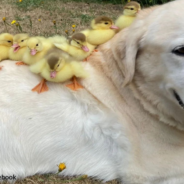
<point>153,59</point>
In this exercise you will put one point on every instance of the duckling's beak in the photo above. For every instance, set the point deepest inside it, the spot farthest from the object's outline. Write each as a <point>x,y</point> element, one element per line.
<point>33,52</point>
<point>53,74</point>
<point>114,27</point>
<point>85,48</point>
<point>16,47</point>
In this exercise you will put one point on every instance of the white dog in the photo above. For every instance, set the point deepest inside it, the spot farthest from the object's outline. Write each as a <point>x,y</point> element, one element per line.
<point>109,129</point>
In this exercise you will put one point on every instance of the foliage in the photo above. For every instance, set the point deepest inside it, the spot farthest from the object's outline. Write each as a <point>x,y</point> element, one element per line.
<point>30,4</point>
<point>152,2</point>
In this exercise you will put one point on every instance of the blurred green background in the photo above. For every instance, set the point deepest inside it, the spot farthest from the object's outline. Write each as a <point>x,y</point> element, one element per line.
<point>150,2</point>
<point>142,2</point>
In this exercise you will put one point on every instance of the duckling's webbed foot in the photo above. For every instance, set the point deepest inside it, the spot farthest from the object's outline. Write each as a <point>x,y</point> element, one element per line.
<point>41,87</point>
<point>86,59</point>
<point>75,85</point>
<point>20,63</point>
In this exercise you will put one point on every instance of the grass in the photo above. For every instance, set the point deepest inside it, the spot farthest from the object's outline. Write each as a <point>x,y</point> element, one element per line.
<point>28,4</point>
<point>64,13</point>
<point>37,18</point>
<point>53,179</point>
<point>49,17</point>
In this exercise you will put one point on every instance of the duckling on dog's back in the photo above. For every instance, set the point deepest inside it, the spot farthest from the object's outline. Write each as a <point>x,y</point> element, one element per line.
<point>130,11</point>
<point>6,42</point>
<point>76,46</point>
<point>102,30</point>
<point>19,47</point>
<point>37,48</point>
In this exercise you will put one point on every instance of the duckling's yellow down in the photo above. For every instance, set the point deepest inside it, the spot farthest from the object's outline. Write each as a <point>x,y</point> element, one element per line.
<point>40,46</point>
<point>102,30</point>
<point>98,37</point>
<point>21,41</point>
<point>67,71</point>
<point>76,53</point>
<point>58,39</point>
<point>130,11</point>
<point>74,46</point>
<point>6,41</point>
<point>124,21</point>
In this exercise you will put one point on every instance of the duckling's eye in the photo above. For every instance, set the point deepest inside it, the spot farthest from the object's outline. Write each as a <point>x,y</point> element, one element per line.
<point>22,40</point>
<point>9,41</point>
<point>106,23</point>
<point>78,43</point>
<point>57,65</point>
<point>36,44</point>
<point>132,8</point>
<point>178,51</point>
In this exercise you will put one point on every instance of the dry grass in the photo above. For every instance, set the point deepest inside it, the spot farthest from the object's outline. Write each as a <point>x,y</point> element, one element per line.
<point>52,179</point>
<point>65,14</point>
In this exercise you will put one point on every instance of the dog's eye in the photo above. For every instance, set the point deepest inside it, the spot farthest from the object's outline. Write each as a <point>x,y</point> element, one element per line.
<point>179,51</point>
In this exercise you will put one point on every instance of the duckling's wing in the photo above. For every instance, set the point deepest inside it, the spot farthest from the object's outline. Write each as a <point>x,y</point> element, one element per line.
<point>58,39</point>
<point>38,66</point>
<point>63,46</point>
<point>78,69</point>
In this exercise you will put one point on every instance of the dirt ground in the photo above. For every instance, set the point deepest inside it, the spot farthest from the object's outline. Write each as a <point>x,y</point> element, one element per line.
<point>53,179</point>
<point>40,20</point>
<point>50,18</point>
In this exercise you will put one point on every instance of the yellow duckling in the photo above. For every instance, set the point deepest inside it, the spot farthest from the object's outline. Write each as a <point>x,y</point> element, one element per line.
<point>77,47</point>
<point>19,47</point>
<point>102,30</point>
<point>37,48</point>
<point>55,68</point>
<point>37,66</point>
<point>130,11</point>
<point>6,41</point>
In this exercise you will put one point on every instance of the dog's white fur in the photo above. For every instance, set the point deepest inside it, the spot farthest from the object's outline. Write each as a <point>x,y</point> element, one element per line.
<point>107,130</point>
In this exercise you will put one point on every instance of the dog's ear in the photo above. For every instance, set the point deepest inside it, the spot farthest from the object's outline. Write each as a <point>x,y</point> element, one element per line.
<point>132,43</point>
<point>135,34</point>
<point>126,46</point>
